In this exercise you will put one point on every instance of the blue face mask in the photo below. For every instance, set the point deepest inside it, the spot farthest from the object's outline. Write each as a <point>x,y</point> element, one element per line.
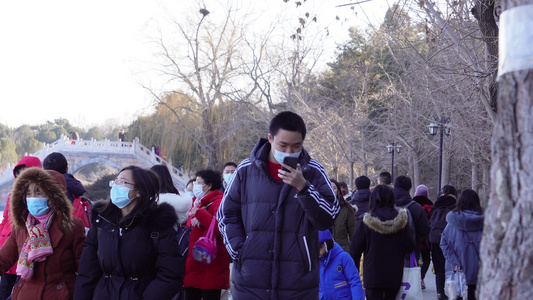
<point>198,191</point>
<point>119,196</point>
<point>37,206</point>
<point>279,156</point>
<point>227,177</point>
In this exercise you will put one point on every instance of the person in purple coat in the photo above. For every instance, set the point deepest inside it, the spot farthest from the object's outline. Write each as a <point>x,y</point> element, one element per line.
<point>462,237</point>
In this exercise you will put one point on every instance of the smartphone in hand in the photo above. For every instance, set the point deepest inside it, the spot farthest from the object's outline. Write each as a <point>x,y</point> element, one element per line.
<point>290,161</point>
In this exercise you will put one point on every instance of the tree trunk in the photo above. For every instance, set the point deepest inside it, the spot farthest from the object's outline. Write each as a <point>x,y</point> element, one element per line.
<point>506,248</point>
<point>475,176</point>
<point>352,179</point>
<point>483,11</point>
<point>446,163</point>
<point>416,170</point>
<point>486,185</point>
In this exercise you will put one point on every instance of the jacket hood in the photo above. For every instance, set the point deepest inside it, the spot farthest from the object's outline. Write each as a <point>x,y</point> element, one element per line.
<point>28,161</point>
<point>334,252</point>
<point>162,217</point>
<point>261,152</point>
<point>362,195</point>
<point>466,220</point>
<point>57,198</point>
<point>324,235</point>
<point>423,200</point>
<point>180,203</point>
<point>401,196</point>
<point>445,201</point>
<point>389,226</point>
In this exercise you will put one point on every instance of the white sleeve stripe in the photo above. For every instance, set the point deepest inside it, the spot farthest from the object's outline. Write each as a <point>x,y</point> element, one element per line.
<point>332,210</point>
<point>322,203</point>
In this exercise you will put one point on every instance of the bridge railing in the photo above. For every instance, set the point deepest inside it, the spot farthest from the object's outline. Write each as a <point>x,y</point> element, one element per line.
<point>66,145</point>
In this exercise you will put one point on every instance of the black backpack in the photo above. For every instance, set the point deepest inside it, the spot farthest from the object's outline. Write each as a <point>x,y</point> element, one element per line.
<point>183,235</point>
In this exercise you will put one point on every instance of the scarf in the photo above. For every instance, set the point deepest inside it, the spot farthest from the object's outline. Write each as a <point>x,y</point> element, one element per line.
<point>36,247</point>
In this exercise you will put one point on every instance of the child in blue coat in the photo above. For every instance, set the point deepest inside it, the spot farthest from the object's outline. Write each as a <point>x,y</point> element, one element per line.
<point>339,278</point>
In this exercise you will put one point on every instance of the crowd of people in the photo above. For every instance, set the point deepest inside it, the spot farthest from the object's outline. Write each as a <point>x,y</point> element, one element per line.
<point>283,231</point>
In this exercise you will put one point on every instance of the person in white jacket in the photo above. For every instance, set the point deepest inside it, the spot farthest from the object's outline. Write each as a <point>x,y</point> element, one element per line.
<point>169,193</point>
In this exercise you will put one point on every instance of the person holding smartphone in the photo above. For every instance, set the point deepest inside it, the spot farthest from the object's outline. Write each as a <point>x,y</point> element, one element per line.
<point>271,213</point>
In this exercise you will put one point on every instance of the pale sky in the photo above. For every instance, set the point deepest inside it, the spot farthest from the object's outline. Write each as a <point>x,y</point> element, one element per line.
<point>84,61</point>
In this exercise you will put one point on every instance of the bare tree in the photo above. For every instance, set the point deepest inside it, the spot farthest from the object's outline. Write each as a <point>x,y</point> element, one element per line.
<point>207,63</point>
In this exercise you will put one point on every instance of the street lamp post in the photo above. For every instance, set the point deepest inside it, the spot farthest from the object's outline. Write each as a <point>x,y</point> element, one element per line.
<point>390,148</point>
<point>443,126</point>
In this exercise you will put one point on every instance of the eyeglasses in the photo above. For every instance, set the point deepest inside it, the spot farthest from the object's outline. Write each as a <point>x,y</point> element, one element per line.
<point>119,183</point>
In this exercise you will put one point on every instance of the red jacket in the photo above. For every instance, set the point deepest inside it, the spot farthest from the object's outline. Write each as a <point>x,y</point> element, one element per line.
<point>5,231</point>
<point>5,226</point>
<point>207,276</point>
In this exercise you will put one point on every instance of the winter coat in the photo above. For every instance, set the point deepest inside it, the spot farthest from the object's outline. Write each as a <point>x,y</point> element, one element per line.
<point>74,187</point>
<point>344,226</point>
<point>385,237</point>
<point>137,260</point>
<point>270,228</point>
<point>460,242</point>
<point>420,220</point>
<point>213,276</point>
<point>5,231</point>
<point>427,206</point>
<point>437,219</point>
<point>54,277</point>
<point>5,226</point>
<point>181,203</point>
<point>339,278</point>
<point>361,198</point>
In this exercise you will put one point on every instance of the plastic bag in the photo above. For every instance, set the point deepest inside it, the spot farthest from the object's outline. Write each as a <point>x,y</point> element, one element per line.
<point>455,285</point>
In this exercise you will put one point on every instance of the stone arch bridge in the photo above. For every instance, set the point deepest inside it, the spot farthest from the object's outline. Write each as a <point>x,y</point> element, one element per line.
<point>80,153</point>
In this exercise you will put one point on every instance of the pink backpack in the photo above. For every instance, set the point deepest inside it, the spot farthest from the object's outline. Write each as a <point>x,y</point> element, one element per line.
<point>205,248</point>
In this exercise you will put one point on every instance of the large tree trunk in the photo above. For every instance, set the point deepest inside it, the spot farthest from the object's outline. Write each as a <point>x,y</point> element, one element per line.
<point>506,249</point>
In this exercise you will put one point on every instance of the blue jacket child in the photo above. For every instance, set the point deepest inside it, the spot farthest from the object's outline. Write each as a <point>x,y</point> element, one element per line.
<point>339,278</point>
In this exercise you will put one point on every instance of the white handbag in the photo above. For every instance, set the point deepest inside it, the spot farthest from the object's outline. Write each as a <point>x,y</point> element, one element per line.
<point>411,288</point>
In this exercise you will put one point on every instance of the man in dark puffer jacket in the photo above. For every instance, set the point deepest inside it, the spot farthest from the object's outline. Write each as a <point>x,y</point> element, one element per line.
<point>269,217</point>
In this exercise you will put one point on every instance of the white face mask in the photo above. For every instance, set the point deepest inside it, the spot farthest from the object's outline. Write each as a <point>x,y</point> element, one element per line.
<point>279,156</point>
<point>227,177</point>
<point>198,191</point>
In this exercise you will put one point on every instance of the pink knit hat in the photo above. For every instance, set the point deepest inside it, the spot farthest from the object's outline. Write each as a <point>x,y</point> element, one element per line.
<point>422,190</point>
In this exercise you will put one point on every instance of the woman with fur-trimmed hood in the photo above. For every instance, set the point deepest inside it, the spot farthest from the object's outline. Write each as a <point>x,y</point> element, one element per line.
<point>42,213</point>
<point>384,236</point>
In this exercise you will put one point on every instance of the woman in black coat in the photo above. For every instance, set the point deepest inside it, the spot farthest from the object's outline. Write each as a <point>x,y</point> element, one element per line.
<point>131,251</point>
<point>384,236</point>
<point>437,222</point>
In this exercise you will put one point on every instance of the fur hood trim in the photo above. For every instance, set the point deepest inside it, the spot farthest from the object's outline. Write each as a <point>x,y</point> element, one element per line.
<point>389,226</point>
<point>466,220</point>
<point>57,199</point>
<point>180,203</point>
<point>160,218</point>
